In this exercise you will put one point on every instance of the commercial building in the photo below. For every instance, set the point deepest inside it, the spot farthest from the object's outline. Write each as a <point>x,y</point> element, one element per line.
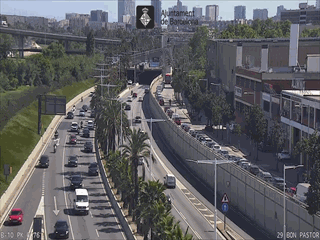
<point>95,15</point>
<point>126,7</point>
<point>255,71</point>
<point>261,14</point>
<point>197,12</point>
<point>71,15</point>
<point>79,22</point>
<point>104,17</point>
<point>304,15</point>
<point>212,12</point>
<point>157,12</point>
<point>240,12</point>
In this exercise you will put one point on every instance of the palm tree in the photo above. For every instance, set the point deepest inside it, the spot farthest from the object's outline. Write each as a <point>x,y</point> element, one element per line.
<point>176,234</point>
<point>135,149</point>
<point>164,227</point>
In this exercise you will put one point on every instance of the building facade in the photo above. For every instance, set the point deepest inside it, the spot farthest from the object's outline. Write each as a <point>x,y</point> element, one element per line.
<point>304,15</point>
<point>197,12</point>
<point>71,15</point>
<point>212,12</point>
<point>79,22</point>
<point>157,12</point>
<point>104,17</point>
<point>240,12</point>
<point>261,14</point>
<point>95,15</point>
<point>126,7</point>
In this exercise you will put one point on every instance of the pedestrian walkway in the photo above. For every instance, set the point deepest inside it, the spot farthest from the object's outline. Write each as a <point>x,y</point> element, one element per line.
<point>240,146</point>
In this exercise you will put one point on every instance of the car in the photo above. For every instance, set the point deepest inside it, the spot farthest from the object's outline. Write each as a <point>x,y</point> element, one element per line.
<point>200,137</point>
<point>254,169</point>
<point>284,155</point>
<point>73,139</point>
<point>170,181</point>
<point>185,127</point>
<point>73,161</point>
<point>85,107</point>
<point>140,161</point>
<point>238,160</point>
<point>91,94</point>
<point>161,102</point>
<point>168,200</point>
<point>44,161</point>
<point>76,181</point>
<point>265,176</point>
<point>246,165</point>
<point>129,99</point>
<point>93,169</point>
<point>224,153</point>
<point>74,127</point>
<point>169,112</point>
<point>146,90</point>
<point>129,82</point>
<point>194,134</point>
<point>207,140</point>
<point>127,107</point>
<point>82,113</point>
<point>70,115</point>
<point>86,132</point>
<point>216,147</point>
<point>242,161</point>
<point>140,99</point>
<point>92,114</point>
<point>88,146</point>
<point>232,157</point>
<point>16,216</point>
<point>137,119</point>
<point>61,229</point>
<point>134,95</point>
<point>279,183</point>
<point>90,125</point>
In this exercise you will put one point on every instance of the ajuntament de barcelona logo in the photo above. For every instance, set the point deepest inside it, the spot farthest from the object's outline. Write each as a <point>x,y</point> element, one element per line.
<point>178,18</point>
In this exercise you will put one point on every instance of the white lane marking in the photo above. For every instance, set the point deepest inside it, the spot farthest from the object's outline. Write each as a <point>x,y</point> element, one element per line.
<point>97,233</point>
<point>63,185</point>
<point>91,214</point>
<point>56,211</point>
<point>182,216</point>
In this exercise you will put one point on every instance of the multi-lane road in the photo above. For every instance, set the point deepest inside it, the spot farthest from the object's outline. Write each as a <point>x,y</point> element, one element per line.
<point>50,188</point>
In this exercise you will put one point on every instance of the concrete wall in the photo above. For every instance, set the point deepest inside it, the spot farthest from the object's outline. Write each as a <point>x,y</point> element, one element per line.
<point>257,200</point>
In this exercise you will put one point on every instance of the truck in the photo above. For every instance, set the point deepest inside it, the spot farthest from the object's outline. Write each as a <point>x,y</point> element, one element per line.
<point>168,75</point>
<point>302,189</point>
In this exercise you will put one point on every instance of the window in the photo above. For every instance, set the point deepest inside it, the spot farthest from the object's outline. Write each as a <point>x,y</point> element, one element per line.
<point>296,111</point>
<point>266,106</point>
<point>305,113</point>
<point>285,108</point>
<point>318,119</point>
<point>311,117</point>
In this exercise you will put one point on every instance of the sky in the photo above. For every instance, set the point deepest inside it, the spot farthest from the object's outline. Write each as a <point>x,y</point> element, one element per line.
<point>58,9</point>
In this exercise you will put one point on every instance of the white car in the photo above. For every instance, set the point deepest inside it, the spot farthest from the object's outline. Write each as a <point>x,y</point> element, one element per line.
<point>216,147</point>
<point>284,155</point>
<point>81,113</point>
<point>129,99</point>
<point>90,125</point>
<point>74,126</point>
<point>130,82</point>
<point>140,99</point>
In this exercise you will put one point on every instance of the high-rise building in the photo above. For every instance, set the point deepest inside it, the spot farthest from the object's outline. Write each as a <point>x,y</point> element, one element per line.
<point>240,12</point>
<point>304,15</point>
<point>95,15</point>
<point>261,14</point>
<point>279,10</point>
<point>212,12</point>
<point>197,11</point>
<point>157,12</point>
<point>71,15</point>
<point>318,4</point>
<point>126,7</point>
<point>104,17</point>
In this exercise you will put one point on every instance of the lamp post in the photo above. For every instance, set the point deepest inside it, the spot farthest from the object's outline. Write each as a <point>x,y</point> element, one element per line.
<point>152,121</point>
<point>119,99</point>
<point>215,162</point>
<point>284,195</point>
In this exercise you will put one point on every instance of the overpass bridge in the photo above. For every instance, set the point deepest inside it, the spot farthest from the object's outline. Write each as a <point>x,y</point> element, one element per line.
<point>57,36</point>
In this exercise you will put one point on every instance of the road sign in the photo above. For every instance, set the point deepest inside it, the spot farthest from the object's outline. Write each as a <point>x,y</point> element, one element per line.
<point>225,198</point>
<point>225,207</point>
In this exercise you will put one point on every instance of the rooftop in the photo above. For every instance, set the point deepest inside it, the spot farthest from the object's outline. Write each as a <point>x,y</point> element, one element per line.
<point>310,94</point>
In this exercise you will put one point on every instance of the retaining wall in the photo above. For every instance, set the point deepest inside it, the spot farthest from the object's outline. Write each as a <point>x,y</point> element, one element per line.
<point>255,199</point>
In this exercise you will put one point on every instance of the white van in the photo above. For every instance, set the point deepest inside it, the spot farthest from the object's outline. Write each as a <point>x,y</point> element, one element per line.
<point>81,203</point>
<point>170,181</point>
<point>302,188</point>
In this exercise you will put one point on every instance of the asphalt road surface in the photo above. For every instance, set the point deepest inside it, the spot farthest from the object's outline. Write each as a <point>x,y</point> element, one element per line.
<point>53,183</point>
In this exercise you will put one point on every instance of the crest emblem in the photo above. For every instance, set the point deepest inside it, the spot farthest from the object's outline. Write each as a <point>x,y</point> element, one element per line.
<point>145,18</point>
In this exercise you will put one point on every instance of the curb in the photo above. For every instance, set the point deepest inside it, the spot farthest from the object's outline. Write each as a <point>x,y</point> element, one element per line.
<point>9,196</point>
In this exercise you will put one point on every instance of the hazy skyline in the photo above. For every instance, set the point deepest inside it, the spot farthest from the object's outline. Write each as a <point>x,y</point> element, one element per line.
<point>58,9</point>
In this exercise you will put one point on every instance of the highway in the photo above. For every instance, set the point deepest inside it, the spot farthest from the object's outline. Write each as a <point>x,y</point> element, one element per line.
<point>188,206</point>
<point>53,184</point>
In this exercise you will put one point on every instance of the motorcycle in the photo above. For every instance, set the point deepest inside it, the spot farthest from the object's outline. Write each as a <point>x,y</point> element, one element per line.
<point>54,148</point>
<point>56,135</point>
<point>81,99</point>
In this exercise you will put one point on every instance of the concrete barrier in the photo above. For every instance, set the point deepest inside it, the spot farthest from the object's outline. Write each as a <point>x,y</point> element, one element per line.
<point>255,199</point>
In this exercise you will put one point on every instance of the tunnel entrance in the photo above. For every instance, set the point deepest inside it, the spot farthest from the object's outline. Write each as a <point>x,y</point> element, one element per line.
<point>144,77</point>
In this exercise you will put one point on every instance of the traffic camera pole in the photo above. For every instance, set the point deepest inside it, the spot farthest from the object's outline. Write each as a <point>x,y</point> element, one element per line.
<point>39,114</point>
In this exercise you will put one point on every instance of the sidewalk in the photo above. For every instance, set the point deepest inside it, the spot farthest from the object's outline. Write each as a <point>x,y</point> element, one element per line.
<point>236,145</point>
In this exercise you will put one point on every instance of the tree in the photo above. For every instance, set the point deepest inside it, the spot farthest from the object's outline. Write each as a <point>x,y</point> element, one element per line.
<point>135,149</point>
<point>256,125</point>
<point>238,131</point>
<point>277,138</point>
<point>54,50</point>
<point>198,45</point>
<point>313,194</point>
<point>6,44</point>
<point>311,147</point>
<point>90,44</point>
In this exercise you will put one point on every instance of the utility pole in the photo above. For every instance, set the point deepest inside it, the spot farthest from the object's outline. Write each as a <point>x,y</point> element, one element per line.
<point>101,75</point>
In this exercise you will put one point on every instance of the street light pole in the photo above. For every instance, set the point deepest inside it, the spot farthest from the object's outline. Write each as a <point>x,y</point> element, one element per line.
<point>284,196</point>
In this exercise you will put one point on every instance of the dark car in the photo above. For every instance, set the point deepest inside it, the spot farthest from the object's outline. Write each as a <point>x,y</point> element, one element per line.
<point>88,146</point>
<point>76,182</point>
<point>146,90</point>
<point>73,139</point>
<point>73,161</point>
<point>168,199</point>
<point>265,147</point>
<point>86,132</point>
<point>70,115</point>
<point>61,229</point>
<point>85,107</point>
<point>92,114</point>
<point>127,107</point>
<point>93,169</point>
<point>134,95</point>
<point>278,182</point>
<point>137,119</point>
<point>254,169</point>
<point>44,161</point>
